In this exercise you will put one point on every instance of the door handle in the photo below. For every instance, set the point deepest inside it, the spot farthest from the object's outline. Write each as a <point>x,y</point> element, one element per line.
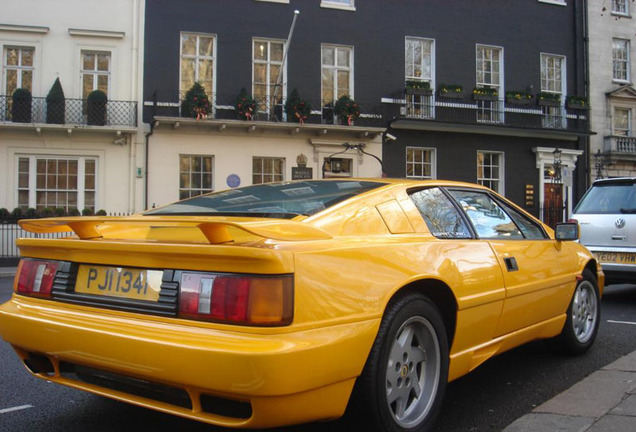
<point>511,264</point>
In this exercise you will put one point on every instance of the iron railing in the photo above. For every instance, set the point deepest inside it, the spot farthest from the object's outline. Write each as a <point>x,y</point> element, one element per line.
<point>10,231</point>
<point>530,114</point>
<point>72,112</point>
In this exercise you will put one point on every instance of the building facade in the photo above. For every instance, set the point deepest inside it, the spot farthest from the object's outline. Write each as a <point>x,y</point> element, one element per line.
<point>509,128</point>
<point>59,147</point>
<point>612,94</point>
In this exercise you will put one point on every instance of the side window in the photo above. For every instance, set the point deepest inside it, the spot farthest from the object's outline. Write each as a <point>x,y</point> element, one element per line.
<point>441,216</point>
<point>488,218</point>
<point>530,229</point>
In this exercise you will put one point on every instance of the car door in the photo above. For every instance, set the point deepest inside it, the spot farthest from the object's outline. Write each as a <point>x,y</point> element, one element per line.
<point>538,275</point>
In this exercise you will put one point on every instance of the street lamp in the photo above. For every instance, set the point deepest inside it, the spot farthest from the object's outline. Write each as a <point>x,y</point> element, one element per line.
<point>599,164</point>
<point>360,147</point>
<point>557,165</point>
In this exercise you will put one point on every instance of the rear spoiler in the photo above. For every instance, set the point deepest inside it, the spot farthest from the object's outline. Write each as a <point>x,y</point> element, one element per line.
<point>215,229</point>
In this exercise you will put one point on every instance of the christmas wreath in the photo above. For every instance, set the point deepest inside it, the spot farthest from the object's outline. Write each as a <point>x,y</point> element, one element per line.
<point>245,106</point>
<point>347,109</point>
<point>297,110</point>
<point>196,103</point>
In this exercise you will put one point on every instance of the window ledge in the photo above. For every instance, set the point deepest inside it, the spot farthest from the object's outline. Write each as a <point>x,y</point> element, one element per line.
<point>621,15</point>
<point>554,2</point>
<point>97,33</point>
<point>622,82</point>
<point>274,1</point>
<point>23,28</point>
<point>338,6</point>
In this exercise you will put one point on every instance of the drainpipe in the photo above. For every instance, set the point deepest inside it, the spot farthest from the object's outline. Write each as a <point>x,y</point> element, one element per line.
<point>148,135</point>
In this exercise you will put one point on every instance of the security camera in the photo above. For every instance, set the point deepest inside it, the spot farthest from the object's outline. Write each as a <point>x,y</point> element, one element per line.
<point>390,137</point>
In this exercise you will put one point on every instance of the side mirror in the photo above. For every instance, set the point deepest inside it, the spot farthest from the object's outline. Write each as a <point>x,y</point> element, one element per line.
<point>567,231</point>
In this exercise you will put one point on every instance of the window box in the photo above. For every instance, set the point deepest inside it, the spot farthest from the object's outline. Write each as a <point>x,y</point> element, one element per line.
<point>450,91</point>
<point>549,99</point>
<point>419,88</point>
<point>519,98</point>
<point>576,102</point>
<point>485,97</point>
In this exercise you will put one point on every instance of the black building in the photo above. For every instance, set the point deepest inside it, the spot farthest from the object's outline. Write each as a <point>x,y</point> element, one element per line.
<point>463,90</point>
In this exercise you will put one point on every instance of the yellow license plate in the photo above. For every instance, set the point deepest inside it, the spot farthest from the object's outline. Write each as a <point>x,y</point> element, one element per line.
<point>131,283</point>
<point>616,257</point>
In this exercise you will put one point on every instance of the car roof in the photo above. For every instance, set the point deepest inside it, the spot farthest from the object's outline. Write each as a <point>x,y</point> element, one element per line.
<point>615,180</point>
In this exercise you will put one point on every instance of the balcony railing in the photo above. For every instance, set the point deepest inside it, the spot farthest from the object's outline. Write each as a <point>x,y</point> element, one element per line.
<point>268,109</point>
<point>72,112</point>
<point>625,145</point>
<point>492,112</point>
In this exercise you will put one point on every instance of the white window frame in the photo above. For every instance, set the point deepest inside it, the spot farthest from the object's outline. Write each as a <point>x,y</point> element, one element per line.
<point>19,68</point>
<point>543,58</point>
<point>201,190</point>
<point>81,178</point>
<point>620,7</point>
<point>209,91</point>
<point>432,163</point>
<point>336,68</point>
<point>431,77</point>
<point>500,168</point>
<point>95,73</point>
<point>624,132</point>
<point>263,173</point>
<point>490,111</point>
<point>266,104</point>
<point>348,5</point>
<point>626,61</point>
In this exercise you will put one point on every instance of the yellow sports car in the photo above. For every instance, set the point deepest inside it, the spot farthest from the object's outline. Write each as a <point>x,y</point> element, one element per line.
<point>285,303</point>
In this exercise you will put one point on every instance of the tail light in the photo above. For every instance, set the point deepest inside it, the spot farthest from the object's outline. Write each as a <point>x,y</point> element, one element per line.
<point>237,299</point>
<point>35,277</point>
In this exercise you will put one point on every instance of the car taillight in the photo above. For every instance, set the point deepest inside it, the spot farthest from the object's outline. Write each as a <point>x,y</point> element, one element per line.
<point>237,299</point>
<point>35,277</point>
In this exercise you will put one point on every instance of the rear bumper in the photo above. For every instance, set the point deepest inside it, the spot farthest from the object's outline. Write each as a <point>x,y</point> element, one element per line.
<point>286,378</point>
<point>616,271</point>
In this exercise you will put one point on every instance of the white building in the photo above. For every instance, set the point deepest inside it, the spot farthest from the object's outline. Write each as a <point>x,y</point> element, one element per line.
<point>74,162</point>
<point>612,32</point>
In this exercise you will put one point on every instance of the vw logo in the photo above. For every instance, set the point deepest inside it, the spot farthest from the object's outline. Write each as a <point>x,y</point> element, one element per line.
<point>620,223</point>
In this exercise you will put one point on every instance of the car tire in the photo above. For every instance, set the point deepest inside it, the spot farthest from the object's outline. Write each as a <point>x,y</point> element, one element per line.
<point>404,380</point>
<point>583,318</point>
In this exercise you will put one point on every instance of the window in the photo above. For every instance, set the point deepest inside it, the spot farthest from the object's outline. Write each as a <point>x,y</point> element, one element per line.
<point>420,163</point>
<point>622,122</point>
<point>419,65</point>
<point>267,169</point>
<point>490,170</point>
<point>267,58</point>
<point>620,60</point>
<point>18,68</point>
<point>620,7</point>
<point>95,72</point>
<point>197,62</point>
<point>51,181</point>
<point>337,72</point>
<point>338,4</point>
<point>337,167</point>
<point>488,218</point>
<point>441,216</point>
<point>489,73</point>
<point>195,175</point>
<point>552,68</point>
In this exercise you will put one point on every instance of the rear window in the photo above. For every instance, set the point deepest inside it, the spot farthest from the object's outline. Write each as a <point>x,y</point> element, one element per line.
<point>274,200</point>
<point>609,198</point>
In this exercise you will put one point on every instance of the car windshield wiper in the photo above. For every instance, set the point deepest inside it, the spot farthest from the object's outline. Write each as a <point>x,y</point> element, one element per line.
<point>628,210</point>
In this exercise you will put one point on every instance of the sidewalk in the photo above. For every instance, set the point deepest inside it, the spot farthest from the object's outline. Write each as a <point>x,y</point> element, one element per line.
<point>604,401</point>
<point>7,271</point>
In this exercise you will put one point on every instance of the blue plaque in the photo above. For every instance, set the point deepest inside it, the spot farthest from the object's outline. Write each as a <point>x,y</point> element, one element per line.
<point>233,181</point>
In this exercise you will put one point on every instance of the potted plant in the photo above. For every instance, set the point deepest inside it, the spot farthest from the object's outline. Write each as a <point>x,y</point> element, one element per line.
<point>245,106</point>
<point>485,93</point>
<point>549,99</point>
<point>55,104</point>
<point>96,108</point>
<point>519,97</point>
<point>347,110</point>
<point>196,103</point>
<point>21,106</point>
<point>577,102</point>
<point>297,109</point>
<point>453,91</point>
<point>419,88</point>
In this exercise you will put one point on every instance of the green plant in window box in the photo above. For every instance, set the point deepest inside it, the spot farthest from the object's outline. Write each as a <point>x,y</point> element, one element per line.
<point>74,212</point>
<point>31,213</point>
<point>577,102</point>
<point>55,104</point>
<point>452,91</point>
<point>297,109</point>
<point>196,103</point>
<point>46,212</point>
<point>419,88</point>
<point>485,93</point>
<point>21,106</point>
<point>549,99</point>
<point>101,212</point>
<point>96,108</point>
<point>59,211</point>
<point>87,212</point>
<point>245,105</point>
<point>519,98</point>
<point>347,110</point>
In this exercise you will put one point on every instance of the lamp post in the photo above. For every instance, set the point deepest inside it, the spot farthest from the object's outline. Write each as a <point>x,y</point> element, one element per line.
<point>558,186</point>
<point>599,164</point>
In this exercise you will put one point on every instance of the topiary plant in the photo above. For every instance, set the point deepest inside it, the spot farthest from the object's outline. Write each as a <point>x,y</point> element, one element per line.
<point>55,104</point>
<point>196,103</point>
<point>96,108</point>
<point>297,109</point>
<point>21,106</point>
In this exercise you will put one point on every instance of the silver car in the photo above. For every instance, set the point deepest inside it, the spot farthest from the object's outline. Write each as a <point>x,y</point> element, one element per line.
<point>607,217</point>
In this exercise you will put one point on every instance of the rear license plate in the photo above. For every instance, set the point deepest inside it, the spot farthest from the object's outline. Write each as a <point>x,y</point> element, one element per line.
<point>616,257</point>
<point>130,283</point>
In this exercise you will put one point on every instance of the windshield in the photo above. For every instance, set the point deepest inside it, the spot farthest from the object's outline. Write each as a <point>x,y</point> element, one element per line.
<point>609,198</point>
<point>274,200</point>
